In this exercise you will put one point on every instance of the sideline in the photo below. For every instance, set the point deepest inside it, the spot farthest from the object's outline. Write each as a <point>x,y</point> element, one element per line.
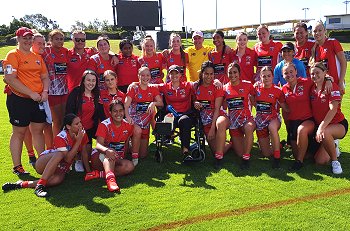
<point>250,209</point>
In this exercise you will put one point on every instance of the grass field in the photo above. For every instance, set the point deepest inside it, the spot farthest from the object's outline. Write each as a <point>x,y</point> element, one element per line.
<point>175,196</point>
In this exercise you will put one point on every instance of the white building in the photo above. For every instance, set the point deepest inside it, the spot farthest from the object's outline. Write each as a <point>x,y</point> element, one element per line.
<point>338,22</point>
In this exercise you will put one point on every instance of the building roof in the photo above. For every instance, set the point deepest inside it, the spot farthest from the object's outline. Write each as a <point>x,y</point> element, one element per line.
<point>336,15</point>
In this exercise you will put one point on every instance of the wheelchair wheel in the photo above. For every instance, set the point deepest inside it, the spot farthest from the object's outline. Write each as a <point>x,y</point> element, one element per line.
<point>159,156</point>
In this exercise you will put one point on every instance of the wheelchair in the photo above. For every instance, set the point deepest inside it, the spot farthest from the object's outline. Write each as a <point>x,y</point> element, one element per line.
<point>163,130</point>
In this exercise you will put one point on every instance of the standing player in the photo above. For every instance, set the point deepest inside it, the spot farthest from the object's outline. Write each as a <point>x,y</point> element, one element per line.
<point>239,96</point>
<point>303,45</point>
<point>219,57</point>
<point>245,57</point>
<point>128,65</point>
<point>55,57</point>
<point>267,118</point>
<point>140,104</point>
<point>151,59</point>
<point>267,50</point>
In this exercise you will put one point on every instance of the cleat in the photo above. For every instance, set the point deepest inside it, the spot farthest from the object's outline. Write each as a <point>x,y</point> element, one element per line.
<point>276,163</point>
<point>40,191</point>
<point>19,170</point>
<point>297,165</point>
<point>11,186</point>
<point>112,185</point>
<point>92,175</point>
<point>336,167</point>
<point>245,164</point>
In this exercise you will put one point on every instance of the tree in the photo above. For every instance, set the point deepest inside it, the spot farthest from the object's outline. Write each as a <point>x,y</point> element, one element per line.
<point>78,26</point>
<point>15,24</point>
<point>40,22</point>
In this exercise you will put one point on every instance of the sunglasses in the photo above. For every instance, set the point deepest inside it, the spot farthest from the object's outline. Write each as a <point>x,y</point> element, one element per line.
<point>79,39</point>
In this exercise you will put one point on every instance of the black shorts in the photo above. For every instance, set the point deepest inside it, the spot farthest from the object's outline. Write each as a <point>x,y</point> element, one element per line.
<point>345,123</point>
<point>293,128</point>
<point>22,111</point>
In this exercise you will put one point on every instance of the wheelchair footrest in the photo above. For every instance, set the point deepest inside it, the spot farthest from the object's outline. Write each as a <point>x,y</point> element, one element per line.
<point>163,129</point>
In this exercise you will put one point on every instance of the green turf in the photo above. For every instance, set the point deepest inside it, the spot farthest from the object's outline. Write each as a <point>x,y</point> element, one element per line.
<point>156,194</point>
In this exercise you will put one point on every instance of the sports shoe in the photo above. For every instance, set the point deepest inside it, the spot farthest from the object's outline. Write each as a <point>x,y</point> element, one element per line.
<point>336,167</point>
<point>19,170</point>
<point>79,166</point>
<point>11,186</point>
<point>92,175</point>
<point>276,163</point>
<point>245,164</point>
<point>40,191</point>
<point>297,165</point>
<point>218,164</point>
<point>112,185</point>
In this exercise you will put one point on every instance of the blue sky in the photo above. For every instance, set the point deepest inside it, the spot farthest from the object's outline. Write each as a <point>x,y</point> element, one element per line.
<point>199,14</point>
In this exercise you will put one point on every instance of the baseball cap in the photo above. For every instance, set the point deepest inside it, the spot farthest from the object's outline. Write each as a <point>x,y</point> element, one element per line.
<point>288,45</point>
<point>174,68</point>
<point>197,33</point>
<point>23,31</point>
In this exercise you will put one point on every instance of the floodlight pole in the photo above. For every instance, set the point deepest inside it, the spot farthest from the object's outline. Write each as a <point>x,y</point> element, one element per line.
<point>114,6</point>
<point>260,13</point>
<point>305,9</point>
<point>160,14</point>
<point>216,14</point>
<point>346,6</point>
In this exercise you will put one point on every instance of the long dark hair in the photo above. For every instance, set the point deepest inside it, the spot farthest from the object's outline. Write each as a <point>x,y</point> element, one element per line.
<point>182,52</point>
<point>68,120</point>
<point>206,64</point>
<point>95,91</point>
<point>222,35</point>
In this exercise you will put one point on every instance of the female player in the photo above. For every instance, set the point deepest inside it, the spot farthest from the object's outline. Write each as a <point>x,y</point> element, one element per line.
<point>53,164</point>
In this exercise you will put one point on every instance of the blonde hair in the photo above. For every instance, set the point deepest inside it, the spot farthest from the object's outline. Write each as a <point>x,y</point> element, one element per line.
<point>148,38</point>
<point>55,32</point>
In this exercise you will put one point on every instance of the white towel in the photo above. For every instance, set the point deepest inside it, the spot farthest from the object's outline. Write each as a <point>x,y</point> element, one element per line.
<point>47,112</point>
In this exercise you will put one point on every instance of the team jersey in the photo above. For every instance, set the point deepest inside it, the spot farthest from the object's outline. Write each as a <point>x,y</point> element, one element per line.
<point>179,98</point>
<point>327,54</point>
<point>56,62</point>
<point>266,104</point>
<point>176,59</point>
<point>155,65</point>
<point>115,137</point>
<point>246,63</point>
<point>100,65</point>
<point>303,53</point>
<point>76,65</point>
<point>237,99</point>
<point>267,55</point>
<point>140,100</point>
<point>320,104</point>
<point>207,95</point>
<point>221,62</point>
<point>298,99</point>
<point>278,78</point>
<point>127,70</point>
<point>195,60</point>
<point>29,67</point>
<point>106,98</point>
<point>87,113</point>
<point>63,142</point>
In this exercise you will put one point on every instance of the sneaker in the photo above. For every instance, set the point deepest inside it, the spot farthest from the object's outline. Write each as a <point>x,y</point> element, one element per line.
<point>218,164</point>
<point>11,186</point>
<point>32,160</point>
<point>336,167</point>
<point>92,175</point>
<point>245,164</point>
<point>19,170</point>
<point>276,163</point>
<point>40,191</point>
<point>112,185</point>
<point>79,166</point>
<point>297,165</point>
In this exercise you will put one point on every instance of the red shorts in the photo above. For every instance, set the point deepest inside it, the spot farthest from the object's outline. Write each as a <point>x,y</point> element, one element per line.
<point>236,132</point>
<point>57,100</point>
<point>264,133</point>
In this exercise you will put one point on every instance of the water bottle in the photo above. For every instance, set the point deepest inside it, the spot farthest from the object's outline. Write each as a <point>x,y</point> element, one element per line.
<point>172,110</point>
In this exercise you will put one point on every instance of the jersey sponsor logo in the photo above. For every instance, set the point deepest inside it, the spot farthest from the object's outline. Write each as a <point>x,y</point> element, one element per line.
<point>139,96</point>
<point>193,54</point>
<point>335,93</point>
<point>241,90</point>
<point>182,91</point>
<point>156,61</point>
<point>133,63</point>
<point>125,132</point>
<point>26,62</point>
<point>171,60</point>
<point>149,94</point>
<point>102,66</point>
<point>271,95</point>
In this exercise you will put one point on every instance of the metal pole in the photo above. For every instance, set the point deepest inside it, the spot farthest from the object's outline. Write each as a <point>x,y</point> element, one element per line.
<point>305,9</point>
<point>346,6</point>
<point>260,12</point>
<point>216,14</point>
<point>161,15</point>
<point>114,10</point>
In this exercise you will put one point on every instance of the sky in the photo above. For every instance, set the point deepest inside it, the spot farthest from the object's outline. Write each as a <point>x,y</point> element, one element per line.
<point>198,14</point>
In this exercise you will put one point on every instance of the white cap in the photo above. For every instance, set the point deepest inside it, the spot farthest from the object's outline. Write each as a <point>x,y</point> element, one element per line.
<point>197,33</point>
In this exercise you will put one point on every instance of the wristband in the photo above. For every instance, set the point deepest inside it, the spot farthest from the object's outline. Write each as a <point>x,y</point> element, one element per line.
<point>328,79</point>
